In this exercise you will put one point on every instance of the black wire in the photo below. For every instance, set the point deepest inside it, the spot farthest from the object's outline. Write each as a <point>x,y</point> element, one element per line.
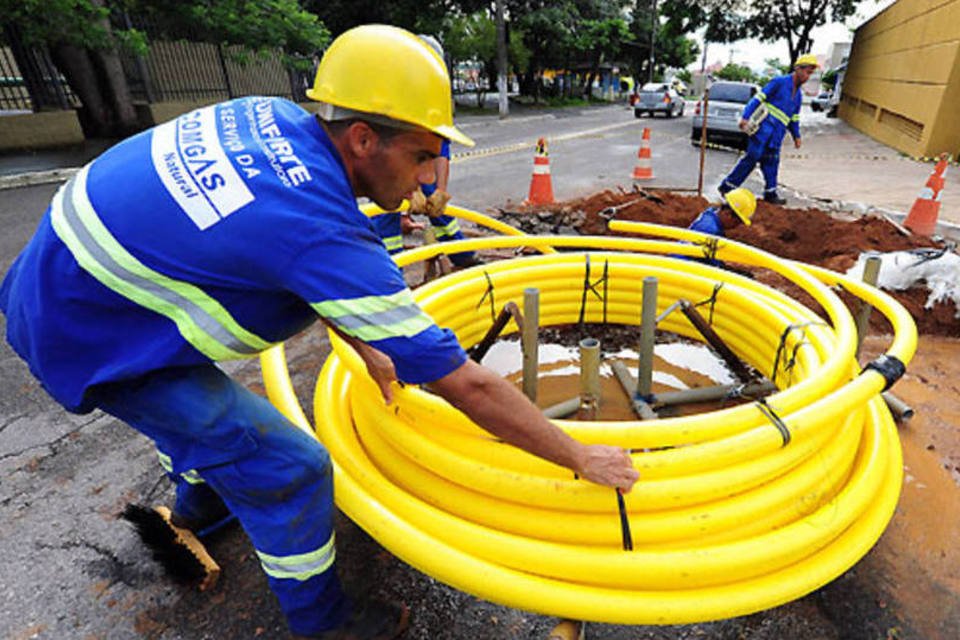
<point>777,421</point>
<point>490,291</point>
<point>712,300</point>
<point>624,522</point>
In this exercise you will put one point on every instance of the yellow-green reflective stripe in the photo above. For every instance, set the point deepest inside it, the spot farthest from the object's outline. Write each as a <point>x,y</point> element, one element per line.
<point>376,317</point>
<point>192,476</point>
<point>795,117</point>
<point>301,566</point>
<point>447,230</point>
<point>761,96</point>
<point>393,242</point>
<point>201,320</point>
<point>777,113</point>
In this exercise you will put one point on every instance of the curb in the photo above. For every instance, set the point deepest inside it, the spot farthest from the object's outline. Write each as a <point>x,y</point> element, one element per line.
<point>37,177</point>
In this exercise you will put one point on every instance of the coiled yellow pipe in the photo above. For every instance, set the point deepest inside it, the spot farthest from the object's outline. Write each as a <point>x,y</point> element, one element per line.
<point>726,519</point>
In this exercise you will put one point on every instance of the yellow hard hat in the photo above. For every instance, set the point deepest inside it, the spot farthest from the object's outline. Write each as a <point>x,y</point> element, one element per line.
<point>806,60</point>
<point>743,203</point>
<point>387,71</point>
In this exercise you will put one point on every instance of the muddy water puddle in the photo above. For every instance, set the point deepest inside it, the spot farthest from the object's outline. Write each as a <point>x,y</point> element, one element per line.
<point>677,366</point>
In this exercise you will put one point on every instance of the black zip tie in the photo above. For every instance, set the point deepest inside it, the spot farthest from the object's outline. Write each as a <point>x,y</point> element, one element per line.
<point>712,300</point>
<point>783,343</point>
<point>778,422</point>
<point>709,248</point>
<point>606,280</point>
<point>890,367</point>
<point>624,522</point>
<point>592,287</point>
<point>490,291</point>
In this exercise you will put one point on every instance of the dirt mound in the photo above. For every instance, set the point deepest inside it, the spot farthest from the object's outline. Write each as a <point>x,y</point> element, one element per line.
<point>808,235</point>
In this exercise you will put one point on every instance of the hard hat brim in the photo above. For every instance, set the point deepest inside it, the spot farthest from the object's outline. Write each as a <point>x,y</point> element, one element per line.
<point>454,135</point>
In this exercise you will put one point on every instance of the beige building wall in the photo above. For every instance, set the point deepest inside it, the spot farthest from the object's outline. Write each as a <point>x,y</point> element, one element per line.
<point>902,84</point>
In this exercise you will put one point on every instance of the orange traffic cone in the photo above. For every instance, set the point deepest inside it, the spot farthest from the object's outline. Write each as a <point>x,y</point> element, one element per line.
<point>922,218</point>
<point>541,186</point>
<point>644,170</point>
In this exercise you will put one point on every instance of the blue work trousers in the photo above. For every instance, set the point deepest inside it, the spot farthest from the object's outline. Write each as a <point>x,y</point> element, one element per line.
<point>388,226</point>
<point>275,478</point>
<point>763,152</point>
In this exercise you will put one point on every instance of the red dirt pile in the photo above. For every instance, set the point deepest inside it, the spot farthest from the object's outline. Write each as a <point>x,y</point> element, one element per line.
<point>807,235</point>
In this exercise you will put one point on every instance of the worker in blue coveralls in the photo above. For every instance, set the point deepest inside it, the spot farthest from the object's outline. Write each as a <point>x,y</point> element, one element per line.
<point>781,99</point>
<point>430,200</point>
<point>227,230</point>
<point>738,208</point>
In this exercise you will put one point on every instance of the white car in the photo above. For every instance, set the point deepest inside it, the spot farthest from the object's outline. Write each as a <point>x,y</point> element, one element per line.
<point>725,108</point>
<point>658,97</point>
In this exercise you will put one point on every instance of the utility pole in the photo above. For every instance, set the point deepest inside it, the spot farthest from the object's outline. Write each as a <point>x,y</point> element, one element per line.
<point>653,37</point>
<point>502,68</point>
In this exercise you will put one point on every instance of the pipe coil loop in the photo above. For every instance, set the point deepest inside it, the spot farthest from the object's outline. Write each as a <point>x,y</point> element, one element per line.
<point>729,516</point>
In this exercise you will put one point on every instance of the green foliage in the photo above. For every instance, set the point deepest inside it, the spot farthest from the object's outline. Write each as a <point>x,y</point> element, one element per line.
<point>780,67</point>
<point>76,22</point>
<point>685,76</point>
<point>736,72</point>
<point>829,79</point>
<point>259,24</point>
<point>792,21</point>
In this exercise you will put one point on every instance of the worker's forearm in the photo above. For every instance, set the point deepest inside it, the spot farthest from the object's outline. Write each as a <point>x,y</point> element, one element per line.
<point>497,406</point>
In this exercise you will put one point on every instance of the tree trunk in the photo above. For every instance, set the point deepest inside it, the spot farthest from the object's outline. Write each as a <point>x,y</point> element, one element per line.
<point>75,63</point>
<point>502,68</point>
<point>117,91</point>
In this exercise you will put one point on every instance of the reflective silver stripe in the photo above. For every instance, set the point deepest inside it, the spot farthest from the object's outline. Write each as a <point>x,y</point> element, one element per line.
<point>393,242</point>
<point>201,320</point>
<point>376,317</point>
<point>302,566</point>
<point>192,476</point>
<point>448,229</point>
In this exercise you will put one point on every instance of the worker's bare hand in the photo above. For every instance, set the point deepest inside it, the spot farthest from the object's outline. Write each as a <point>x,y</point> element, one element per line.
<point>380,367</point>
<point>408,224</point>
<point>796,142</point>
<point>609,466</point>
<point>743,124</point>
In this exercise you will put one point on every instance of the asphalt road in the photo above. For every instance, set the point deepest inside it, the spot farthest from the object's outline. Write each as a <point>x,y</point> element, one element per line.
<point>70,569</point>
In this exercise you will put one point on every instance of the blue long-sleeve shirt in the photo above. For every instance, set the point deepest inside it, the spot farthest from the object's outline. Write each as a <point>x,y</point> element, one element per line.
<point>783,104</point>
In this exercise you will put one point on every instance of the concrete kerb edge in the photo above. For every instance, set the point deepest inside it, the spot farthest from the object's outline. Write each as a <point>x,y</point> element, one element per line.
<point>37,177</point>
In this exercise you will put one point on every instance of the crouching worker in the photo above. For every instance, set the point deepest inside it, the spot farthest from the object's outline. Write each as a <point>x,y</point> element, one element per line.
<point>737,208</point>
<point>229,229</point>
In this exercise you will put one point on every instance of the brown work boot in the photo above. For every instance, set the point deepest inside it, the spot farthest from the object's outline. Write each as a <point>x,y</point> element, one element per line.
<point>371,620</point>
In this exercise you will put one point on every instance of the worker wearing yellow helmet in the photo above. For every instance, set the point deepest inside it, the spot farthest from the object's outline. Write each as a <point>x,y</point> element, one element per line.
<point>766,119</point>
<point>737,208</point>
<point>225,231</point>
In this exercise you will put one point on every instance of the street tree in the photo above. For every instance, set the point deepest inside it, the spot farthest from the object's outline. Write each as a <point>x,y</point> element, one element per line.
<point>672,21</point>
<point>472,38</point>
<point>792,21</point>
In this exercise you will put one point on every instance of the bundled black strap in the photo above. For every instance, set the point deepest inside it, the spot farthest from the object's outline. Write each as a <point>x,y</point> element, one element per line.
<point>777,421</point>
<point>624,522</point>
<point>709,247</point>
<point>781,347</point>
<point>489,292</point>
<point>890,367</point>
<point>592,287</point>
<point>712,300</point>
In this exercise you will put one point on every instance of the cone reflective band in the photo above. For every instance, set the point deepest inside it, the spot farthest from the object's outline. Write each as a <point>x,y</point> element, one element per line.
<point>922,218</point>
<point>541,185</point>
<point>643,169</point>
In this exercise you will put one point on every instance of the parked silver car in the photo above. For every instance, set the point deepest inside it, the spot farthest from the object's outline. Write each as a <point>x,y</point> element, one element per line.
<point>822,101</point>
<point>726,103</point>
<point>657,97</point>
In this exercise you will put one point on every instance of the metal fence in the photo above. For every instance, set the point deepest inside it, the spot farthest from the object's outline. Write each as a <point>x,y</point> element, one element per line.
<point>29,81</point>
<point>171,71</point>
<point>187,70</point>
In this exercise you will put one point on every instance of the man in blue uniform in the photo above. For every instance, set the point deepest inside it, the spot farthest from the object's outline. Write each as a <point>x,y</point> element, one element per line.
<point>231,228</point>
<point>781,99</point>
